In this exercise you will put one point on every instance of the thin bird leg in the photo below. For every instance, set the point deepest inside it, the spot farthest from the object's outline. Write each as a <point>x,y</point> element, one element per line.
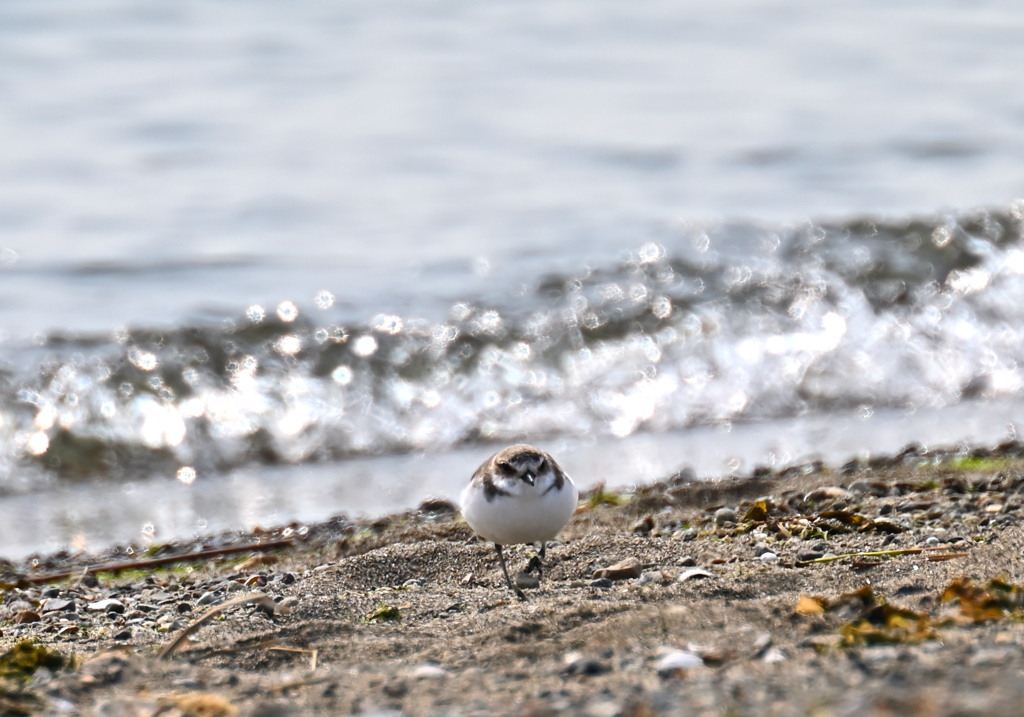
<point>501,561</point>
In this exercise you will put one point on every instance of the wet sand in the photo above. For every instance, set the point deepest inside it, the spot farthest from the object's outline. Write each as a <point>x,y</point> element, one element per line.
<point>735,599</point>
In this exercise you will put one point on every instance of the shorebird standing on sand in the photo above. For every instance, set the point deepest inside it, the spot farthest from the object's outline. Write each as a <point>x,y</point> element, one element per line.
<point>519,495</point>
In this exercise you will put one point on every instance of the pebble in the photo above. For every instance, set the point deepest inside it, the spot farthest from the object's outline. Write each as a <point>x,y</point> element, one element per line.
<point>992,657</point>
<point>56,604</point>
<point>761,644</point>
<point>725,515</point>
<point>805,555</point>
<point>688,534</point>
<point>687,561</point>
<point>585,666</point>
<point>622,570</point>
<point>428,671</point>
<point>769,557</point>
<point>932,541</point>
<point>643,527</point>
<point>604,708</point>
<point>109,605</point>
<point>675,664</point>
<point>831,492</point>
<point>525,581</point>
<point>881,653</point>
<point>288,603</point>
<point>773,655</point>
<point>694,573</point>
<point>653,576</point>
<point>207,598</point>
<point>125,707</point>
<point>601,583</point>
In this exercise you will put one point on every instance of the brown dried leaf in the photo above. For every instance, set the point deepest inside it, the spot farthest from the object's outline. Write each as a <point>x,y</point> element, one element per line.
<point>853,520</point>
<point>757,513</point>
<point>887,623</point>
<point>983,603</point>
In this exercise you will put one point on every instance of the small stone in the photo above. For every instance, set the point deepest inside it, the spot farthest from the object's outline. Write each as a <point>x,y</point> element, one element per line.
<point>653,576</point>
<point>725,515</point>
<point>525,581</point>
<point>126,707</point>
<point>428,671</point>
<point>879,653</point>
<point>643,527</point>
<point>183,607</point>
<point>110,605</point>
<point>875,488</point>
<point>437,506</point>
<point>833,492</point>
<point>395,689</point>
<point>207,598</point>
<point>585,666</point>
<point>51,593</point>
<point>675,664</point>
<point>762,643</point>
<point>601,583</point>
<point>687,561</point>
<point>579,583</point>
<point>604,708</point>
<point>773,655</point>
<point>26,616</point>
<point>58,604</point>
<point>992,657</point>
<point>414,583</point>
<point>769,558</point>
<point>623,570</point>
<point>694,573</point>
<point>287,605</point>
<point>932,541</point>
<point>808,555</point>
<point>688,534</point>
<point>760,549</point>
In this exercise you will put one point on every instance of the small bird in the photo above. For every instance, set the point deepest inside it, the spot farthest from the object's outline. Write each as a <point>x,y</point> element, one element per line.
<point>519,495</point>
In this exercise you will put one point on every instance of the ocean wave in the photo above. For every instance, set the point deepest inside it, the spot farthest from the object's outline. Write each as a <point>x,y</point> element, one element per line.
<point>711,325</point>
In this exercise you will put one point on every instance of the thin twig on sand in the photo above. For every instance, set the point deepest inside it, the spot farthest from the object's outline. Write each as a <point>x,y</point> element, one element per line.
<point>264,600</point>
<point>155,562</point>
<point>888,554</point>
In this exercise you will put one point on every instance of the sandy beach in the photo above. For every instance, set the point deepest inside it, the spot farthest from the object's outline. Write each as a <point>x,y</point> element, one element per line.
<point>868,589</point>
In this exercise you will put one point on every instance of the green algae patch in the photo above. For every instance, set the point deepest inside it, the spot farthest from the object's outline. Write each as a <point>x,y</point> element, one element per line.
<point>22,660</point>
<point>384,613</point>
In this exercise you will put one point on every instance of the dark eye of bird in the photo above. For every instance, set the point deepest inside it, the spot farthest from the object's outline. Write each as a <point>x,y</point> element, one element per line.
<point>506,468</point>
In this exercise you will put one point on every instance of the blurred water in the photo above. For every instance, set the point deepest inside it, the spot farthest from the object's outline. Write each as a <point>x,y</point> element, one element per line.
<point>263,241</point>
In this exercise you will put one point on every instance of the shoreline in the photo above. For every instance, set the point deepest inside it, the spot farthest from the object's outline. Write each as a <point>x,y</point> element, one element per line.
<point>97,515</point>
<point>731,597</point>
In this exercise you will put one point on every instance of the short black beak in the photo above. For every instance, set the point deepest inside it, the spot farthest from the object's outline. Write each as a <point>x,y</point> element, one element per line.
<point>529,477</point>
